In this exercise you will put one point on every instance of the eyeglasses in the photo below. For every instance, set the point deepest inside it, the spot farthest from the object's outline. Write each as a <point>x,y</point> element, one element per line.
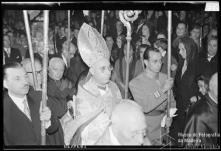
<point>109,68</point>
<point>38,72</point>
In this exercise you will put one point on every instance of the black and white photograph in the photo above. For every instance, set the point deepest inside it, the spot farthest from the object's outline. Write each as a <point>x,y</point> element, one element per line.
<point>126,74</point>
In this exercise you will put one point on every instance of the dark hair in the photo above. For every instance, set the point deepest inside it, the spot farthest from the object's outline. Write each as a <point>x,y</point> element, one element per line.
<point>195,26</point>
<point>162,43</point>
<point>211,38</point>
<point>204,78</point>
<point>146,55</point>
<point>10,65</point>
<point>191,48</point>
<point>181,22</point>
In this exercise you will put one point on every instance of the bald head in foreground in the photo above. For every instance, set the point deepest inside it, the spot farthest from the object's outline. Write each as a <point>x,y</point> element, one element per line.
<point>128,126</point>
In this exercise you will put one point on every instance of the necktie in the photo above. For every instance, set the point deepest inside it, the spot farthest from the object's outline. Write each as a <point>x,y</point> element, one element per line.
<point>184,67</point>
<point>26,109</point>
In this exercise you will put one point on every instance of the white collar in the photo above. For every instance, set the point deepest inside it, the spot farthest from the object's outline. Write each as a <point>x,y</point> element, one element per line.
<point>18,101</point>
<point>102,92</point>
<point>64,59</point>
<point>163,53</point>
<point>113,138</point>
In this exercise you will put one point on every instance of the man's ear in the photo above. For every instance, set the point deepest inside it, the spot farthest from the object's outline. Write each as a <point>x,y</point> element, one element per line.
<point>5,84</point>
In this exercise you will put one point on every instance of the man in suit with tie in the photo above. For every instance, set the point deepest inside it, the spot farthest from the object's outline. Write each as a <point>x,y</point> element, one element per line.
<point>23,111</point>
<point>10,54</point>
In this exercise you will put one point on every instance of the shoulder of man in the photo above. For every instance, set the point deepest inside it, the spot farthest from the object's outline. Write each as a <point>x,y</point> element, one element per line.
<point>137,79</point>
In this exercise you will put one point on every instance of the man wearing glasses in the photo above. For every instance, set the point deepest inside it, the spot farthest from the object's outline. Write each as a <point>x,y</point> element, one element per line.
<point>96,95</point>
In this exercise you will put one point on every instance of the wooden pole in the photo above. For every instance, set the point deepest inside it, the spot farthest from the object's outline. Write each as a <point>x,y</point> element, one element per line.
<point>69,30</point>
<point>45,64</point>
<point>169,67</point>
<point>25,13</point>
<point>102,21</point>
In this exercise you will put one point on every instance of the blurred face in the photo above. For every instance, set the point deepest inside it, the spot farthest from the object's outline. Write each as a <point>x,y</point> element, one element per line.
<point>182,15</point>
<point>142,52</point>
<point>202,87</point>
<point>72,51</point>
<point>62,31</point>
<point>5,30</point>
<point>195,33</point>
<point>213,85</point>
<point>145,31</point>
<point>39,36</point>
<point>38,70</point>
<point>130,52</point>
<point>110,42</point>
<point>154,63</point>
<point>182,51</point>
<point>76,31</point>
<point>101,71</point>
<point>213,33</point>
<point>135,133</point>
<point>119,26</point>
<point>16,82</point>
<point>56,71</point>
<point>212,47</point>
<point>181,29</point>
<point>205,30</point>
<point>70,54</point>
<point>119,41</point>
<point>7,42</point>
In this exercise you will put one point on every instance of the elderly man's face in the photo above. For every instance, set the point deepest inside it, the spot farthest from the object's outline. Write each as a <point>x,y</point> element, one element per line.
<point>56,71</point>
<point>38,70</point>
<point>69,54</point>
<point>16,81</point>
<point>135,133</point>
<point>101,71</point>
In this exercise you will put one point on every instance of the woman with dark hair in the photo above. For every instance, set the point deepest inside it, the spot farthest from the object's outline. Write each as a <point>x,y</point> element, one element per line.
<point>147,34</point>
<point>185,85</point>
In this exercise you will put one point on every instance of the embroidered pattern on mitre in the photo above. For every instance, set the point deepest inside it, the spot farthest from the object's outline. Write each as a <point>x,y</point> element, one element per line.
<point>91,45</point>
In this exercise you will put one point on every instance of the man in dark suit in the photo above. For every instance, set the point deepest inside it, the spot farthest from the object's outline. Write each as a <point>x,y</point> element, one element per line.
<point>202,121</point>
<point>59,88</point>
<point>10,54</point>
<point>66,55</point>
<point>208,59</point>
<point>23,111</point>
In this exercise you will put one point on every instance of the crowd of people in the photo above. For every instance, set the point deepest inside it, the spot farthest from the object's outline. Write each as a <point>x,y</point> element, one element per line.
<point>86,80</point>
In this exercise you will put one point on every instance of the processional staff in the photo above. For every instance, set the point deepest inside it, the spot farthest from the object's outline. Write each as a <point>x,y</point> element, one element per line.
<point>126,17</point>
<point>25,13</point>
<point>102,21</point>
<point>169,67</point>
<point>45,64</point>
<point>69,30</point>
